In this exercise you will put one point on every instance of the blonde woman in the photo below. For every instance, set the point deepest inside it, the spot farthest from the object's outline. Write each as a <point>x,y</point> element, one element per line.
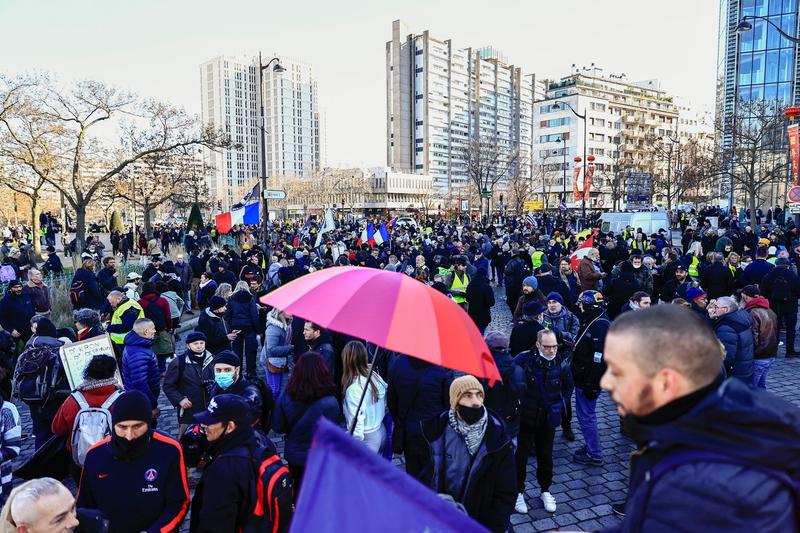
<point>277,348</point>
<point>369,422</point>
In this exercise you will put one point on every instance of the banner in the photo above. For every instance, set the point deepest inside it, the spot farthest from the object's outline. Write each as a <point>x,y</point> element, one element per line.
<point>587,182</point>
<point>794,151</point>
<point>575,192</point>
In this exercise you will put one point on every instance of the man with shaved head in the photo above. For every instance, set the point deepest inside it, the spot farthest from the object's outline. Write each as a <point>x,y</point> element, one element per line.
<point>712,452</point>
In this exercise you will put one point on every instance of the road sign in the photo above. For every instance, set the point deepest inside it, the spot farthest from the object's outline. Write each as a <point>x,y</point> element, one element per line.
<point>274,195</point>
<point>793,208</point>
<point>793,194</point>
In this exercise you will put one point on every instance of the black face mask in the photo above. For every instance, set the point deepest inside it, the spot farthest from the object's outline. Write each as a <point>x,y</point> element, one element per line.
<point>220,314</point>
<point>470,415</point>
<point>129,449</point>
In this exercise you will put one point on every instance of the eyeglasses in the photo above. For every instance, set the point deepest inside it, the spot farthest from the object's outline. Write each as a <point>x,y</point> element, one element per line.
<point>550,347</point>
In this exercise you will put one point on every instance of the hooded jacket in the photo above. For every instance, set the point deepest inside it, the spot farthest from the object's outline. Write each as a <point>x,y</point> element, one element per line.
<point>732,420</point>
<point>734,332</point>
<point>215,330</point>
<point>242,312</point>
<point>277,346</point>
<point>765,328</point>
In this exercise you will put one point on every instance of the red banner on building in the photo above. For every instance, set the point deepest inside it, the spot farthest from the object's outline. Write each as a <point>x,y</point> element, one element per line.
<point>576,194</point>
<point>587,182</point>
<point>794,151</point>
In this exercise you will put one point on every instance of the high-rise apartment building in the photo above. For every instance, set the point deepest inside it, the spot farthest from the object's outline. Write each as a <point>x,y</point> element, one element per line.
<point>231,99</point>
<point>439,96</point>
<point>622,119</point>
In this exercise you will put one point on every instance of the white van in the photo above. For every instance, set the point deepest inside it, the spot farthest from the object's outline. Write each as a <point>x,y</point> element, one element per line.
<point>649,221</point>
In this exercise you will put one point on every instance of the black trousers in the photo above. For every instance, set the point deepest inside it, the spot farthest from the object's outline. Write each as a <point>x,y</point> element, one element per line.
<point>788,319</point>
<point>539,436</point>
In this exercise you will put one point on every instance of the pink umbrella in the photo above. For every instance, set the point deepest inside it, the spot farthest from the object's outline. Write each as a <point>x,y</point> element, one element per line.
<point>391,310</point>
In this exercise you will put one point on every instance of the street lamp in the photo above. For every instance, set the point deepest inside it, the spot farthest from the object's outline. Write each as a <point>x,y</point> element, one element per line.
<point>744,26</point>
<point>564,168</point>
<point>557,106</point>
<point>673,142</point>
<point>277,68</point>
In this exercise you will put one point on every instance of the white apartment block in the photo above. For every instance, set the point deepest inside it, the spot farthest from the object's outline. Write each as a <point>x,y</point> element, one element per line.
<point>230,99</point>
<point>622,116</point>
<point>439,96</point>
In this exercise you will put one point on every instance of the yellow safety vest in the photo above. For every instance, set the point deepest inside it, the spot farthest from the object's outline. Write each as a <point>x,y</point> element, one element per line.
<point>693,267</point>
<point>536,258</point>
<point>116,318</point>
<point>458,284</point>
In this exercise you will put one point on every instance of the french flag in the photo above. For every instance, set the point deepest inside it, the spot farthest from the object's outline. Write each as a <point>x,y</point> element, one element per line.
<point>367,236</point>
<point>382,235</point>
<point>241,215</point>
<point>392,222</point>
<point>580,253</point>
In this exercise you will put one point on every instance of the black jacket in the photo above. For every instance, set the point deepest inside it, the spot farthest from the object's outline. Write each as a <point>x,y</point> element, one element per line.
<point>16,313</point>
<point>215,330</point>
<point>781,301</point>
<point>523,336</point>
<point>591,339</point>
<point>93,297</point>
<point>488,479</point>
<point>480,298</point>
<point>205,293</point>
<point>187,379</point>
<point>717,281</point>
<point>549,283</point>
<point>226,276</point>
<point>541,396</point>
<point>107,279</point>
<point>324,346</point>
<point>242,312</point>
<point>504,397</point>
<point>619,291</point>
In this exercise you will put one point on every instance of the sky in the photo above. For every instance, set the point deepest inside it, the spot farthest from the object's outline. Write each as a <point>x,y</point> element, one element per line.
<point>155,47</point>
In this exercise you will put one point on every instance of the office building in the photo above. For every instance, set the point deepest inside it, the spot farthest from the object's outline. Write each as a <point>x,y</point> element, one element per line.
<point>231,100</point>
<point>440,95</point>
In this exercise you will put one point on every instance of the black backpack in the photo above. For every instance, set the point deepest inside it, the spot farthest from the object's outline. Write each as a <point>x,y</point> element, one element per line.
<point>38,375</point>
<point>274,505</point>
<point>154,312</point>
<point>781,290</point>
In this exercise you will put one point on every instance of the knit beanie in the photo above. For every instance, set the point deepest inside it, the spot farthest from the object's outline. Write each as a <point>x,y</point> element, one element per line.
<point>216,302</point>
<point>693,293</point>
<point>460,386</point>
<point>227,357</point>
<point>531,281</point>
<point>195,336</point>
<point>555,297</point>
<point>132,405</point>
<point>497,341</point>
<point>45,328</point>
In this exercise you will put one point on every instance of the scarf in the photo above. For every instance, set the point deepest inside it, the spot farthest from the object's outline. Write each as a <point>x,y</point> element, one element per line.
<point>89,383</point>
<point>473,435</point>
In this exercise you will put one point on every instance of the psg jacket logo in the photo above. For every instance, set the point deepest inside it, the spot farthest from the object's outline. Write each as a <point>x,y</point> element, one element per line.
<point>150,475</point>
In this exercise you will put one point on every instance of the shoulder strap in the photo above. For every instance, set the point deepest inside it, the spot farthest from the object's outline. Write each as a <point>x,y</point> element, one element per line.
<point>110,400</point>
<point>580,337</point>
<point>80,399</point>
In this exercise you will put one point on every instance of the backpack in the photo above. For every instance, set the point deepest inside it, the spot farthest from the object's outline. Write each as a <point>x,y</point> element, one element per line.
<point>38,374</point>
<point>77,294</point>
<point>274,504</point>
<point>7,273</point>
<point>92,424</point>
<point>154,312</point>
<point>781,290</point>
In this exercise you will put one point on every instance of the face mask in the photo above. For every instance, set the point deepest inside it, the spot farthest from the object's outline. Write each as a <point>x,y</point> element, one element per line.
<point>129,449</point>
<point>224,380</point>
<point>219,313</point>
<point>637,266</point>
<point>470,415</point>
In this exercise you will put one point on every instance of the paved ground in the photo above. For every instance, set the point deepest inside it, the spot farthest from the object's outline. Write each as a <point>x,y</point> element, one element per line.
<point>584,494</point>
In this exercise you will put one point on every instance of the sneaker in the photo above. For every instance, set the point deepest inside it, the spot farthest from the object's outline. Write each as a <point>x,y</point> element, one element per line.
<point>583,458</point>
<point>618,508</point>
<point>549,502</point>
<point>521,507</point>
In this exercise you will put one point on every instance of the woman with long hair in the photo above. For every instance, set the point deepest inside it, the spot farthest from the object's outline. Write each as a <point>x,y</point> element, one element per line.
<point>277,348</point>
<point>309,396</point>
<point>369,422</point>
<point>224,290</point>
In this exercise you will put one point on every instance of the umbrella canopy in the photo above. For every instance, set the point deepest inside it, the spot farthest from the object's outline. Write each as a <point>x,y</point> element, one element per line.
<point>391,310</point>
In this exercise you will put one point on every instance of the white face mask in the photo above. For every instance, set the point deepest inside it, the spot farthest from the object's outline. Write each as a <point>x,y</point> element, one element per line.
<point>547,358</point>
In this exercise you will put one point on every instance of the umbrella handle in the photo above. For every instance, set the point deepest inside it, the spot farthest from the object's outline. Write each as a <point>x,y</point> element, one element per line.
<point>363,395</point>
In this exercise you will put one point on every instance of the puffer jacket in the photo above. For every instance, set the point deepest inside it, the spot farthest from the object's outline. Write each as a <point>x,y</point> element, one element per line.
<point>276,345</point>
<point>489,488</point>
<point>565,323</point>
<point>140,368</point>
<point>765,328</point>
<point>541,396</point>
<point>194,384</point>
<point>242,312</point>
<point>735,333</point>
<point>735,494</point>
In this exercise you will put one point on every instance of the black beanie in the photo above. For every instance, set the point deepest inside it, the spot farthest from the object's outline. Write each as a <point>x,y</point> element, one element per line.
<point>216,302</point>
<point>132,405</point>
<point>45,328</point>
<point>227,357</point>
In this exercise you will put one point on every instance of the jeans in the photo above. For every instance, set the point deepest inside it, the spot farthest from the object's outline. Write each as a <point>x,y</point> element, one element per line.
<point>245,345</point>
<point>587,418</point>
<point>538,436</point>
<point>760,369</point>
<point>376,440</point>
<point>275,382</point>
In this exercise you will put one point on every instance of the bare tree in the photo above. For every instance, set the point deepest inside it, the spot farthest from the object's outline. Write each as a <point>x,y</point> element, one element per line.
<point>71,156</point>
<point>488,163</point>
<point>193,190</point>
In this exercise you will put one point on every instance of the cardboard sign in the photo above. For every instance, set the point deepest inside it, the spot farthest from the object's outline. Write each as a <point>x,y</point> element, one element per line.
<point>76,356</point>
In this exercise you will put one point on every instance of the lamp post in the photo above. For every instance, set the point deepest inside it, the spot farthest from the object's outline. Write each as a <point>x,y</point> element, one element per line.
<point>673,142</point>
<point>277,68</point>
<point>563,169</point>
<point>557,106</point>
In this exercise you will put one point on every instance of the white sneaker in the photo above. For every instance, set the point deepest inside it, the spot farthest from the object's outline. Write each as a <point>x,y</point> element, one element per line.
<point>549,502</point>
<point>521,507</point>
